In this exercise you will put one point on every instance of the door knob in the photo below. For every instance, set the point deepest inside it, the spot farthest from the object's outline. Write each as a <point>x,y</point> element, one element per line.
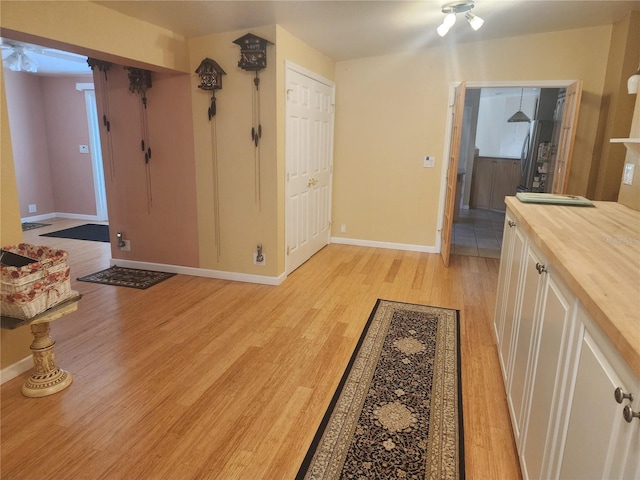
<point>541,268</point>
<point>620,396</point>
<point>511,223</point>
<point>312,182</point>
<point>629,414</point>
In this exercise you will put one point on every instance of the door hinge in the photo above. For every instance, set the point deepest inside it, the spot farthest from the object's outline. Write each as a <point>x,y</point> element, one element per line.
<point>288,249</point>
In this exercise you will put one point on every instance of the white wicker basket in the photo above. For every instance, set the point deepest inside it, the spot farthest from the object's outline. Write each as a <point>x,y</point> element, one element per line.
<point>29,290</point>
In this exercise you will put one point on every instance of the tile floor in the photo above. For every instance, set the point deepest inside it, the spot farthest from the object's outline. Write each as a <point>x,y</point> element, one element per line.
<point>478,233</point>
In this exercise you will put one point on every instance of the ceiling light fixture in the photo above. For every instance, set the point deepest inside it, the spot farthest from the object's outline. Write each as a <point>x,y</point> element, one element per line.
<point>451,9</point>
<point>19,61</point>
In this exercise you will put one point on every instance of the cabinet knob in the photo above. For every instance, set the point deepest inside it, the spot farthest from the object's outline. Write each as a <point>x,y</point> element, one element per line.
<point>620,396</point>
<point>541,268</point>
<point>629,414</point>
<point>511,223</point>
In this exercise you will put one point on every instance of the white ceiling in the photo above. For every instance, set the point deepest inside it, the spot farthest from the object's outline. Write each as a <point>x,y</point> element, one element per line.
<point>348,29</point>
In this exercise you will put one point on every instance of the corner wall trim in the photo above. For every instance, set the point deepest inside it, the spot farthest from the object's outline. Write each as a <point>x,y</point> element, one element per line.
<point>388,245</point>
<point>16,369</point>
<point>200,272</point>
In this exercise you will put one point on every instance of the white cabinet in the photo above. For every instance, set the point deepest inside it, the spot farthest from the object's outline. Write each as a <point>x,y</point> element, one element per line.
<point>523,340</point>
<point>560,373</point>
<point>599,442</point>
<point>547,375</point>
<point>513,244</point>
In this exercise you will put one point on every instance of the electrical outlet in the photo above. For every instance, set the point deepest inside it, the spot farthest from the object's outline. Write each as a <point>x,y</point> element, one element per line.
<point>127,246</point>
<point>343,228</point>
<point>255,259</point>
<point>83,148</point>
<point>627,177</point>
<point>32,208</point>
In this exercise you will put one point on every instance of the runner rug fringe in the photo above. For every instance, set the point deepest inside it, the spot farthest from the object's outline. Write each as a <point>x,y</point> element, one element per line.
<point>397,412</point>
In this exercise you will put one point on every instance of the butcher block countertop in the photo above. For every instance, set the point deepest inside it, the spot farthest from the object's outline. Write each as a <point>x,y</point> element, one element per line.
<point>596,250</point>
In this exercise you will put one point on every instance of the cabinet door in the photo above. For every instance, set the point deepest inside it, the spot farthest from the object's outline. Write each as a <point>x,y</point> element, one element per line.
<point>482,183</point>
<point>599,442</point>
<point>501,184</point>
<point>506,254</point>
<point>547,377</point>
<point>523,334</point>
<point>511,303</point>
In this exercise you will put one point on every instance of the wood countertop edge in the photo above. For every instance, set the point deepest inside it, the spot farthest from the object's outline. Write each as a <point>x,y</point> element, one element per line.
<point>629,350</point>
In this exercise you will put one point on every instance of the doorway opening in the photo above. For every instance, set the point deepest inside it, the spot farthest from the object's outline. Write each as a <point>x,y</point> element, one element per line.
<point>74,147</point>
<point>499,157</point>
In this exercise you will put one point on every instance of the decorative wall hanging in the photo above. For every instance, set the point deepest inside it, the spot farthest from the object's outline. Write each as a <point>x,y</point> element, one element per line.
<point>139,83</point>
<point>210,74</point>
<point>253,58</point>
<point>103,67</point>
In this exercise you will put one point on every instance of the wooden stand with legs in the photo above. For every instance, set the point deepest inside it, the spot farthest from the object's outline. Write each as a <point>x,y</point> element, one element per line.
<point>47,378</point>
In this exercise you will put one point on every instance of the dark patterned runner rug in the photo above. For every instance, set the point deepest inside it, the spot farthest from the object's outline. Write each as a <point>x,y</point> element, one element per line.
<point>127,277</point>
<point>397,412</point>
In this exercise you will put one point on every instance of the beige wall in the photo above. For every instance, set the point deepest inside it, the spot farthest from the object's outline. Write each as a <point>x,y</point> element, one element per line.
<point>89,29</point>
<point>630,194</point>
<point>616,109</point>
<point>153,204</point>
<point>244,222</point>
<point>14,343</point>
<point>392,110</point>
<point>246,218</point>
<point>25,107</point>
<point>49,121</point>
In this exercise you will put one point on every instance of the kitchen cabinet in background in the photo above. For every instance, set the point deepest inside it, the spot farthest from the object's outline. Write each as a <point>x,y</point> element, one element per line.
<point>493,179</point>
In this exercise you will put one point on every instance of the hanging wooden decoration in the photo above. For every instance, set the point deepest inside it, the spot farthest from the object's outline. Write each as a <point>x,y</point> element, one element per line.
<point>253,58</point>
<point>103,67</point>
<point>139,83</point>
<point>210,74</point>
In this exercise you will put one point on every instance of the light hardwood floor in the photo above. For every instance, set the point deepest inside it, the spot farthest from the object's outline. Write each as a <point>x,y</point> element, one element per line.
<point>204,378</point>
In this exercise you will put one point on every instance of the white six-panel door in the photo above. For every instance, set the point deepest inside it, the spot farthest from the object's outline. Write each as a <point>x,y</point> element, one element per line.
<point>309,158</point>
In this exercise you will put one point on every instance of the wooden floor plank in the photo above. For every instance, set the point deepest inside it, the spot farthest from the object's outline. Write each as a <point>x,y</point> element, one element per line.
<point>206,378</point>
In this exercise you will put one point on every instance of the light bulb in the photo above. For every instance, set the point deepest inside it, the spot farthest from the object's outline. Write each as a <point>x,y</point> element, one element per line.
<point>442,30</point>
<point>449,20</point>
<point>475,21</point>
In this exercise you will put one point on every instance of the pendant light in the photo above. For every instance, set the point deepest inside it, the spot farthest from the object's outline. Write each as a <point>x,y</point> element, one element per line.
<point>519,116</point>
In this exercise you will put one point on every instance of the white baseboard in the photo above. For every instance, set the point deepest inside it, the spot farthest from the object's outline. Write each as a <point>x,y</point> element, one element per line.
<point>71,216</point>
<point>18,368</point>
<point>200,272</point>
<point>388,245</point>
<point>39,218</point>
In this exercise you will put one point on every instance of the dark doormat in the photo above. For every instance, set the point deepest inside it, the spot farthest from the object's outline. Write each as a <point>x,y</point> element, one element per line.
<point>127,277</point>
<point>31,225</point>
<point>88,231</point>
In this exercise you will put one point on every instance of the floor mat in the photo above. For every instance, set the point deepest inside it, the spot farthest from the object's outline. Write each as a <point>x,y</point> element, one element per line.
<point>127,277</point>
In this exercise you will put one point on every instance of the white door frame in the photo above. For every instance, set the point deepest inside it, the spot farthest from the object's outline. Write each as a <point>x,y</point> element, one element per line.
<point>292,67</point>
<point>95,149</point>
<point>449,126</point>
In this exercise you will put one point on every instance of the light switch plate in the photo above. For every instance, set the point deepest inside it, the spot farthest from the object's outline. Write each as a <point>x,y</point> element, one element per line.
<point>627,177</point>
<point>84,148</point>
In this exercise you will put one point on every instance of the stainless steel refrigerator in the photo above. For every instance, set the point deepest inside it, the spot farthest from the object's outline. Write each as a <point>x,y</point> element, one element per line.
<point>537,157</point>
